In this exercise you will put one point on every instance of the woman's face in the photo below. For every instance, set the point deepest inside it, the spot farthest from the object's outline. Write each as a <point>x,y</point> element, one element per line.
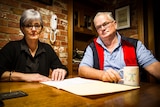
<point>32,30</point>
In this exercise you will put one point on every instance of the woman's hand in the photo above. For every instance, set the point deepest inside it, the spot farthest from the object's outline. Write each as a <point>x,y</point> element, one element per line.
<point>58,74</point>
<point>17,76</point>
<point>34,78</point>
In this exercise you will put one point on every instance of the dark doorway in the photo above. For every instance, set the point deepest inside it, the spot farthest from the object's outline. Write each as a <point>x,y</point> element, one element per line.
<point>156,11</point>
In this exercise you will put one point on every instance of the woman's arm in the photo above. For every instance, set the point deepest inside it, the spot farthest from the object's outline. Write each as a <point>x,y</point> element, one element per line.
<point>17,76</point>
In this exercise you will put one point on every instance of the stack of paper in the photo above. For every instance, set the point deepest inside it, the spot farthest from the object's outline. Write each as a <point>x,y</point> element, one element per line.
<point>85,87</point>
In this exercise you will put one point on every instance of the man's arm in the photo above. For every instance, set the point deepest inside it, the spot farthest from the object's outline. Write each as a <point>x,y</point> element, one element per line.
<point>110,75</point>
<point>88,72</point>
<point>154,69</point>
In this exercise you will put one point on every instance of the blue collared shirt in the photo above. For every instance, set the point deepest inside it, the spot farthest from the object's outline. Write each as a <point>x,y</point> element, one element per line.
<point>115,60</point>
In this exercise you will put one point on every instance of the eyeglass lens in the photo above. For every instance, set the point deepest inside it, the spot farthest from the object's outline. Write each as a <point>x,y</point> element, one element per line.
<point>105,24</point>
<point>36,26</point>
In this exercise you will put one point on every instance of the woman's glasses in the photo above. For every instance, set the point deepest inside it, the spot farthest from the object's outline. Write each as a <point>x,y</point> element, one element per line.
<point>36,26</point>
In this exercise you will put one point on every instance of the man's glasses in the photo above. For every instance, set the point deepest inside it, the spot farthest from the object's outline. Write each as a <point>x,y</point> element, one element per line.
<point>105,25</point>
<point>36,26</point>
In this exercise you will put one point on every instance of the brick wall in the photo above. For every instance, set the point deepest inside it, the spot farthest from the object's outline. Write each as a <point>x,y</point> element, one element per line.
<point>11,10</point>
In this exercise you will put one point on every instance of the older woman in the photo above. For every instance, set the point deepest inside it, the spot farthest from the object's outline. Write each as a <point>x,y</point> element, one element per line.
<point>29,59</point>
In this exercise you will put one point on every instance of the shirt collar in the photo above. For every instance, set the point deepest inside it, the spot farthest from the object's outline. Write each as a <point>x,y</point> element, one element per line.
<point>24,47</point>
<point>99,41</point>
<point>119,38</point>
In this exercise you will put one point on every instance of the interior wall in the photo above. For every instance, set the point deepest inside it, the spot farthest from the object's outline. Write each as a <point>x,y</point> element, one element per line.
<point>156,9</point>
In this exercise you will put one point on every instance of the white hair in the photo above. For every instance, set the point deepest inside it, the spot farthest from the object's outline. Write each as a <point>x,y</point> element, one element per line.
<point>107,14</point>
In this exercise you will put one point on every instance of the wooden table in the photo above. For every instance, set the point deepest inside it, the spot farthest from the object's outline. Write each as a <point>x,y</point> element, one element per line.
<point>40,95</point>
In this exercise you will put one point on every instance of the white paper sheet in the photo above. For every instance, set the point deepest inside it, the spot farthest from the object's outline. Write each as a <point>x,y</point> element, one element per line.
<point>85,87</point>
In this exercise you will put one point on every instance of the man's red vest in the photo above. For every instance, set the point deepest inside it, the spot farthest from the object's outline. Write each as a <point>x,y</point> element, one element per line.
<point>129,51</point>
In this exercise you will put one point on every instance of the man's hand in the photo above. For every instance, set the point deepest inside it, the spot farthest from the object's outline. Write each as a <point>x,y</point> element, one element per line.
<point>111,75</point>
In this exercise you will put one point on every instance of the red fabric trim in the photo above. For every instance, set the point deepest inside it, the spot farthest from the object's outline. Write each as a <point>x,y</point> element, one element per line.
<point>128,51</point>
<point>129,54</point>
<point>100,53</point>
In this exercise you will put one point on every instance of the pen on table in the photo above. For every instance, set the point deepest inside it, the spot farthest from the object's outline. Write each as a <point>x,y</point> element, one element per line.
<point>120,73</point>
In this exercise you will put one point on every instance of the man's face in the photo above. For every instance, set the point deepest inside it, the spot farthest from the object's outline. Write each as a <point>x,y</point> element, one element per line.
<point>104,26</point>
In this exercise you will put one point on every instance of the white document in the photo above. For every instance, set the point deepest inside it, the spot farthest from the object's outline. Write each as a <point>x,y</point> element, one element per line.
<point>85,87</point>
<point>68,82</point>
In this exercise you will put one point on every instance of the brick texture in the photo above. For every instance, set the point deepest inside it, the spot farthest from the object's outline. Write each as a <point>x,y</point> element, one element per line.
<point>11,10</point>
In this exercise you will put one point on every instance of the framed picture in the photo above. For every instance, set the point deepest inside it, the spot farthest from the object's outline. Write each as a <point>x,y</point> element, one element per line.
<point>122,16</point>
<point>47,2</point>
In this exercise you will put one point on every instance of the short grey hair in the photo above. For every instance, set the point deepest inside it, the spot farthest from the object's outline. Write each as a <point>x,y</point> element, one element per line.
<point>28,16</point>
<point>108,14</point>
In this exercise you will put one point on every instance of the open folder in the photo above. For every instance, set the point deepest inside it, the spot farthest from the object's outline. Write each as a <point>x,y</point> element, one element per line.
<point>84,87</point>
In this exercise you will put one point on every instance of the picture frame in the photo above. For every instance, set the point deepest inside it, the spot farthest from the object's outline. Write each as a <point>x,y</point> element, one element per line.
<point>122,17</point>
<point>47,2</point>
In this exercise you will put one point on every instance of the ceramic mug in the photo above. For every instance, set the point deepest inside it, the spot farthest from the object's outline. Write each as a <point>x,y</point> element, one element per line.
<point>131,75</point>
